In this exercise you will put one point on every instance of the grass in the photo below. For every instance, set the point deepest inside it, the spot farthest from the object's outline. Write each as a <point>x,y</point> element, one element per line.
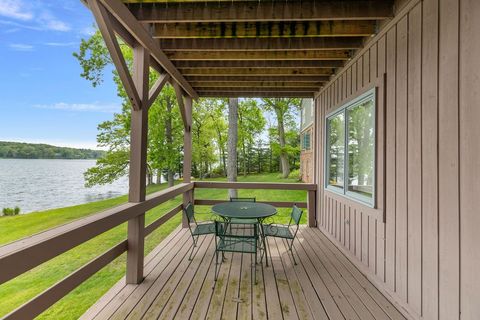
<point>21,289</point>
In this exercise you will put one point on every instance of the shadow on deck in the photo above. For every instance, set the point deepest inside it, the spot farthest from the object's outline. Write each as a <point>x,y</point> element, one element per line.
<point>324,285</point>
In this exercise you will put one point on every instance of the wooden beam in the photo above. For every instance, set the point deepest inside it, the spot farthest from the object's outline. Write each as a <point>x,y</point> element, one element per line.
<point>265,29</point>
<point>105,26</point>
<point>261,44</point>
<point>254,185</point>
<point>187,156</point>
<point>262,55</point>
<point>138,166</point>
<point>259,78</point>
<point>259,84</point>
<point>278,204</point>
<point>190,73</point>
<point>136,29</point>
<point>259,89</point>
<point>264,94</point>
<point>181,104</point>
<point>263,11</point>
<point>157,88</point>
<point>312,208</point>
<point>259,63</point>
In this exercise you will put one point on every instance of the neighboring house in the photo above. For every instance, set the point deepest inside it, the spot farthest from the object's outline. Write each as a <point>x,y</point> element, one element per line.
<point>306,140</point>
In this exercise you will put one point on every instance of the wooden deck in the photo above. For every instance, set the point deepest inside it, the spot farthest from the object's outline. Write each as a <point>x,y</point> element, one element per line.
<point>324,285</point>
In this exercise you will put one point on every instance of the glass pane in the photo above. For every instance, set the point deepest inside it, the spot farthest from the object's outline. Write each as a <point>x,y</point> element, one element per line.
<point>336,150</point>
<point>361,148</point>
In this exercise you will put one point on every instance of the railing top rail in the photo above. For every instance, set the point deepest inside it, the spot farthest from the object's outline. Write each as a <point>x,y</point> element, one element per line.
<point>255,185</point>
<point>25,254</point>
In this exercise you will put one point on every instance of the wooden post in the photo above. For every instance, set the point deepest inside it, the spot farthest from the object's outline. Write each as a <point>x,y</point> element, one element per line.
<point>187,154</point>
<point>138,166</point>
<point>312,208</point>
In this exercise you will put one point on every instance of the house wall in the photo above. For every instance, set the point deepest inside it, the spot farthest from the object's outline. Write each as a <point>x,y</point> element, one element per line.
<point>420,245</point>
<point>307,160</point>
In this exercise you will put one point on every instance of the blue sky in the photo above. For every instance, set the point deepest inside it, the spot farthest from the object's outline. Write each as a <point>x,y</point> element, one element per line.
<point>42,96</point>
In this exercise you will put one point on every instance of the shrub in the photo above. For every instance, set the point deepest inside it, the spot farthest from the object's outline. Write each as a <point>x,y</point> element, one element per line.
<point>295,174</point>
<point>11,211</point>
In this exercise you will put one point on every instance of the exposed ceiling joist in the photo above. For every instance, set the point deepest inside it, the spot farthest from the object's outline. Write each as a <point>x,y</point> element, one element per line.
<point>269,29</point>
<point>263,11</point>
<point>260,55</point>
<point>257,89</point>
<point>258,78</point>
<point>260,64</point>
<point>260,72</point>
<point>257,84</point>
<point>125,17</point>
<point>263,94</point>
<point>261,44</point>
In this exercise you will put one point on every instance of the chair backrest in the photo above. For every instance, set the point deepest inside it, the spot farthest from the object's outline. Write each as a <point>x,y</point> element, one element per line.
<point>189,213</point>
<point>296,215</point>
<point>235,199</point>
<point>219,228</point>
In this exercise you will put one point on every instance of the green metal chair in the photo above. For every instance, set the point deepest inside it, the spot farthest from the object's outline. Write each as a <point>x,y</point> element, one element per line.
<point>226,241</point>
<point>288,232</point>
<point>197,229</point>
<point>243,221</point>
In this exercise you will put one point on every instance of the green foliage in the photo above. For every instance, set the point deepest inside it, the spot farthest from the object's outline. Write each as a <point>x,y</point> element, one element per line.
<point>20,150</point>
<point>11,211</point>
<point>93,57</point>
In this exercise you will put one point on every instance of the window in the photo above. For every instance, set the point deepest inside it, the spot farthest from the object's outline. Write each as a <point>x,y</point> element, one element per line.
<point>350,149</point>
<point>306,141</point>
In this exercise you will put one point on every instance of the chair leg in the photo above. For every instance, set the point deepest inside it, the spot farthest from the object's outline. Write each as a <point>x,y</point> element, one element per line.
<point>291,251</point>
<point>255,270</point>
<point>216,263</point>
<point>265,245</point>
<point>193,247</point>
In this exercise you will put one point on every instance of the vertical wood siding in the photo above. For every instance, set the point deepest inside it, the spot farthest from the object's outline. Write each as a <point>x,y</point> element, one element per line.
<point>420,244</point>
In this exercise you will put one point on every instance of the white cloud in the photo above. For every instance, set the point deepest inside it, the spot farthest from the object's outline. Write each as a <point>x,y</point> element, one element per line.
<point>15,9</point>
<point>33,15</point>
<point>81,107</point>
<point>20,47</point>
<point>51,23</point>
<point>88,31</point>
<point>61,44</point>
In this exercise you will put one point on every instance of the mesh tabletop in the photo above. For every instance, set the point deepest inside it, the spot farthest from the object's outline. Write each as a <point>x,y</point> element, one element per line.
<point>244,210</point>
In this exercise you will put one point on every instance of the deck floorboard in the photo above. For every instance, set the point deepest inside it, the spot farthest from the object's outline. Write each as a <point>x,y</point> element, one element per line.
<point>323,285</point>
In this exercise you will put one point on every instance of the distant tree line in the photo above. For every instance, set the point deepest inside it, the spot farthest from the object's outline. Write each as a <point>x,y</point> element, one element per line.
<point>20,150</point>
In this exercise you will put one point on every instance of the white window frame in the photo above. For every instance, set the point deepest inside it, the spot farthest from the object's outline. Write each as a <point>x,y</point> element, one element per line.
<point>344,109</point>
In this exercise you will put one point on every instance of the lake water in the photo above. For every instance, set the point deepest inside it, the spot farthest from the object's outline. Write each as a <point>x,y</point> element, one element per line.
<point>35,185</point>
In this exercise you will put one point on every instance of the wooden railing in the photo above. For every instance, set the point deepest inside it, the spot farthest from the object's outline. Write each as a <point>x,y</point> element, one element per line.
<point>309,187</point>
<point>23,255</point>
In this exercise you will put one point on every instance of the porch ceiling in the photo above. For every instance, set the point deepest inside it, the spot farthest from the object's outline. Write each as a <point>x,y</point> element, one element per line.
<point>229,48</point>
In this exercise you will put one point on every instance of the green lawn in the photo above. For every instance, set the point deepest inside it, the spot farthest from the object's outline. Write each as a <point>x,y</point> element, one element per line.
<point>26,286</point>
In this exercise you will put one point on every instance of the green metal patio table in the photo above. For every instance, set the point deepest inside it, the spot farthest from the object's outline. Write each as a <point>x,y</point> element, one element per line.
<point>246,211</point>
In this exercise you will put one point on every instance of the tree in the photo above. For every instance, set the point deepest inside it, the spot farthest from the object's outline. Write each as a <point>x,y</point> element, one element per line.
<point>251,123</point>
<point>232,143</point>
<point>165,135</point>
<point>283,109</point>
<point>164,118</point>
<point>203,137</point>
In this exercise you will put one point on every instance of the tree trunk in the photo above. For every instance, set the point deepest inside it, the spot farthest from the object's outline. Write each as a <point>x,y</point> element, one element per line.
<point>159,176</point>
<point>221,148</point>
<point>170,178</point>
<point>169,139</point>
<point>232,143</point>
<point>281,137</point>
